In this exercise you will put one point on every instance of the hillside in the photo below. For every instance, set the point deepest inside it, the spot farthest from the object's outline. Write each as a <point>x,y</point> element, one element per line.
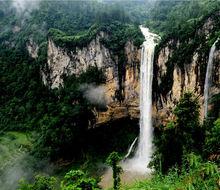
<point>72,91</point>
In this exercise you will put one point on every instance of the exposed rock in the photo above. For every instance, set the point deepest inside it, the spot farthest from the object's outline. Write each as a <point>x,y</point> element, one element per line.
<point>62,62</point>
<point>32,48</point>
<point>190,77</point>
<point>206,28</point>
<point>166,52</point>
<point>183,81</point>
<point>16,29</point>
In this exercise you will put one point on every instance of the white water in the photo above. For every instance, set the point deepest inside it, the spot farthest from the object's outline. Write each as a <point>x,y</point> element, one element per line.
<point>131,148</point>
<point>208,78</point>
<point>145,146</point>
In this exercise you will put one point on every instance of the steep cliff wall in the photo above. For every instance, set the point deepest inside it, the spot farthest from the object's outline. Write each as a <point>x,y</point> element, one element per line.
<point>180,65</point>
<point>62,61</point>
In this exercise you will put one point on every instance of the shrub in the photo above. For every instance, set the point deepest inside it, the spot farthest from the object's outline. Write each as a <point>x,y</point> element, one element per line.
<point>40,183</point>
<point>77,180</point>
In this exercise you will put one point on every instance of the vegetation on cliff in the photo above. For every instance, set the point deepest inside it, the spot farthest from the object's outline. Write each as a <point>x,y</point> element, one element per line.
<point>59,123</point>
<point>179,18</point>
<point>187,41</point>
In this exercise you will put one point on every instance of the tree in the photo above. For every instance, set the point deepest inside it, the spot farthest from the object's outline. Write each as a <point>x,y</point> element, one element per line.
<point>112,161</point>
<point>187,122</point>
<point>212,140</point>
<point>40,183</point>
<point>179,137</point>
<point>76,179</point>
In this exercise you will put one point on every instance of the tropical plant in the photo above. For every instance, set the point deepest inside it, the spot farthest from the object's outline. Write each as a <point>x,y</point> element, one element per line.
<point>40,183</point>
<point>77,180</point>
<point>113,160</point>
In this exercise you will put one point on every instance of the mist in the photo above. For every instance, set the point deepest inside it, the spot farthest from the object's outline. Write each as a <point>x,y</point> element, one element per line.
<point>94,94</point>
<point>24,167</point>
<point>23,6</point>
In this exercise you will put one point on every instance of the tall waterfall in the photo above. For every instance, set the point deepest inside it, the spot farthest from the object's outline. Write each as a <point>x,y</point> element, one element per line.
<point>208,78</point>
<point>145,147</point>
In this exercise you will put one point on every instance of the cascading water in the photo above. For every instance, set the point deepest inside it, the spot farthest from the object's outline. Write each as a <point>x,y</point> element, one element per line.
<point>208,78</point>
<point>130,149</point>
<point>144,151</point>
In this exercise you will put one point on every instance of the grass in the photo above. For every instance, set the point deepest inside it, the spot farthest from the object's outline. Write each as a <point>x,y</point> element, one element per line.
<point>12,145</point>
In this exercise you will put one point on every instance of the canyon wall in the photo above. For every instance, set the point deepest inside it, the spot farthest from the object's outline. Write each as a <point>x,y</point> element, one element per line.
<point>176,73</point>
<point>62,62</point>
<point>179,66</point>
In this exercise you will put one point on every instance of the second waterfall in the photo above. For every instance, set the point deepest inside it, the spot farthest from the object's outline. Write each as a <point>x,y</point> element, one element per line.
<point>144,151</point>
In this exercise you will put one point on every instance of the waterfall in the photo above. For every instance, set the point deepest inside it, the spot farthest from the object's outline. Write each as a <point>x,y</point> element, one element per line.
<point>208,78</point>
<point>144,151</point>
<point>131,148</point>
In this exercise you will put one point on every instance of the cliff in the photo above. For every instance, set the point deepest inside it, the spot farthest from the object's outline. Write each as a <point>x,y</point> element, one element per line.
<point>180,65</point>
<point>61,61</point>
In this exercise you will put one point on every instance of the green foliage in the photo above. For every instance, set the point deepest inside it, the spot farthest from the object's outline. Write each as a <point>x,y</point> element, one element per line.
<point>178,18</point>
<point>21,89</point>
<point>13,145</point>
<point>77,180</point>
<point>71,42</point>
<point>40,183</point>
<point>112,161</point>
<point>187,111</point>
<point>116,30</point>
<point>93,75</point>
<point>187,123</point>
<point>25,101</point>
<point>61,117</point>
<point>74,18</point>
<point>73,180</point>
<point>42,54</point>
<point>67,117</point>
<point>181,136</point>
<point>218,45</point>
<point>200,175</point>
<point>212,141</point>
<point>62,129</point>
<point>181,28</point>
<point>215,110</point>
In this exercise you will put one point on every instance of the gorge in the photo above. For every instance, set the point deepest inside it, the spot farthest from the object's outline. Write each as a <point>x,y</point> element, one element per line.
<point>169,82</point>
<point>88,87</point>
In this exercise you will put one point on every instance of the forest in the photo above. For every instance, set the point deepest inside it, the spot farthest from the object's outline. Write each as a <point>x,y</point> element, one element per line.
<point>51,138</point>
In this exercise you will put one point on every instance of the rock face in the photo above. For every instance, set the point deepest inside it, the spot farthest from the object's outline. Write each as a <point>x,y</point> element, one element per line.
<point>171,79</point>
<point>62,62</point>
<point>32,48</point>
<point>189,76</point>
